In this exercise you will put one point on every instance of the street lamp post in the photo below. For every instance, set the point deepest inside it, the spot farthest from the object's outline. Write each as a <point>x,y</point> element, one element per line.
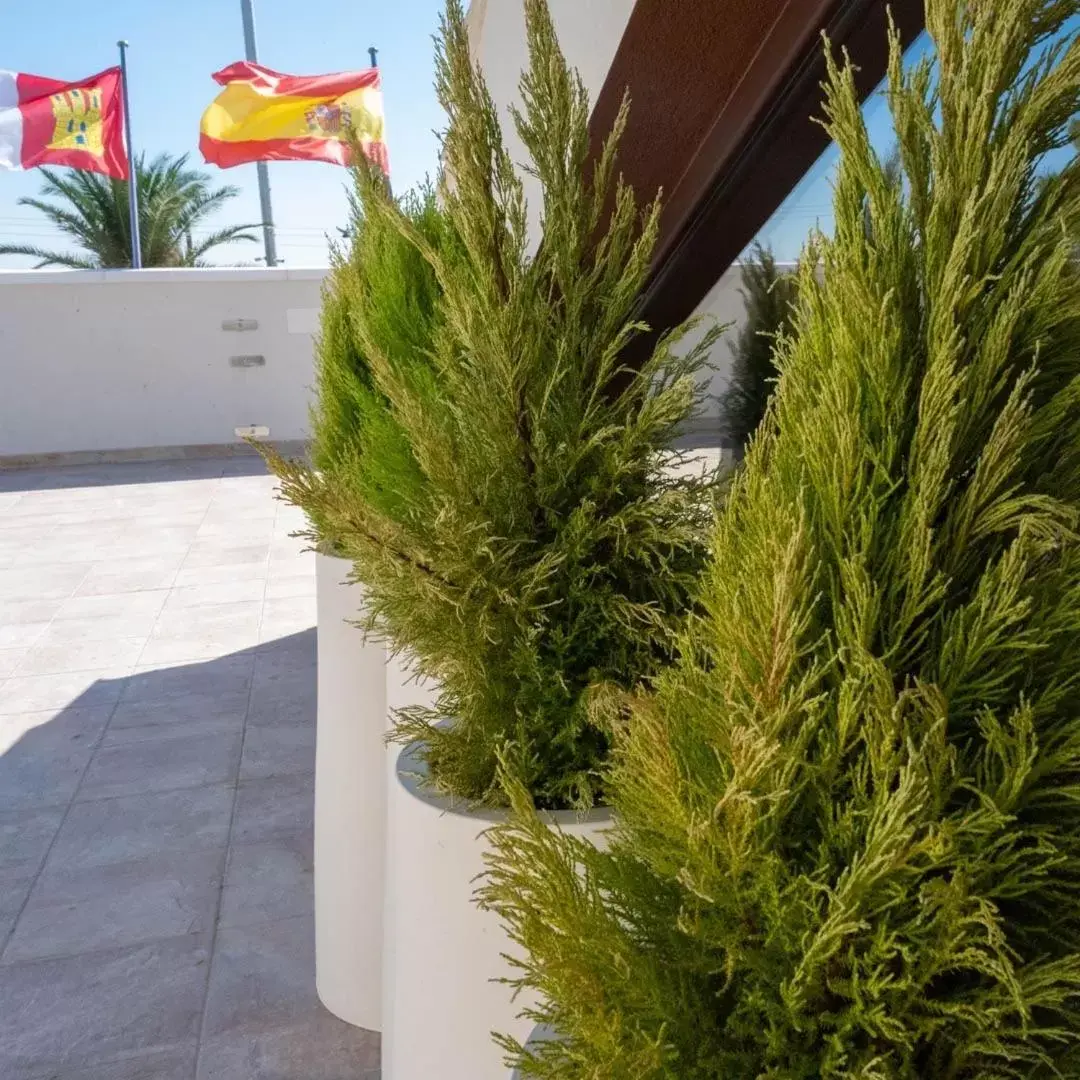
<point>251,53</point>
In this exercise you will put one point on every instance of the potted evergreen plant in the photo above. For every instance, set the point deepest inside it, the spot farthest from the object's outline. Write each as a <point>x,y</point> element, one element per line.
<point>848,838</point>
<point>382,292</point>
<point>542,541</point>
<point>768,294</point>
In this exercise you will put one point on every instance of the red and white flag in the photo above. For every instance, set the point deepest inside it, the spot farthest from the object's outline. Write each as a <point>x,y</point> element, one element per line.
<point>78,124</point>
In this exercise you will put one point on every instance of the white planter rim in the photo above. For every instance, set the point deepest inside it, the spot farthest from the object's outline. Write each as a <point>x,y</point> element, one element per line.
<point>542,1033</point>
<point>412,771</point>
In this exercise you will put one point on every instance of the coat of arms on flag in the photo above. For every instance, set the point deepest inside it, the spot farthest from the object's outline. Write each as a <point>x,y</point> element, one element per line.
<point>77,113</point>
<point>262,115</point>
<point>48,122</point>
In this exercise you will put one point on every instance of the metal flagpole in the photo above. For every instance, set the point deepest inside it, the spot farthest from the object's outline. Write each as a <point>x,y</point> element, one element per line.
<point>374,54</point>
<point>133,187</point>
<point>251,53</point>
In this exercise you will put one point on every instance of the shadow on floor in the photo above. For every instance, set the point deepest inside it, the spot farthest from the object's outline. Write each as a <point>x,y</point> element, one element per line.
<point>156,918</point>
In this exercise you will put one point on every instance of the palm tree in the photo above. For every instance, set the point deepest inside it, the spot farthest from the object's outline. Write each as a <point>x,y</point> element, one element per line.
<point>92,210</point>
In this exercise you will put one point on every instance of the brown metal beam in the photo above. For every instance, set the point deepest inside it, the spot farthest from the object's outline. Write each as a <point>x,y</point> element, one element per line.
<point>722,96</point>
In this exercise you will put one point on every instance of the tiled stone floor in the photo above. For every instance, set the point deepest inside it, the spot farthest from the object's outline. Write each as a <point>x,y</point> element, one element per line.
<point>157,706</point>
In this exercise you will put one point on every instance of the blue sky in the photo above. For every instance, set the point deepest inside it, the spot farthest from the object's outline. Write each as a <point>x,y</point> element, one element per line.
<point>175,46</point>
<point>810,202</point>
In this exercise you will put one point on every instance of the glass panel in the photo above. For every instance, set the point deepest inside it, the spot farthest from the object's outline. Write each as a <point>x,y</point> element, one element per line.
<point>810,202</point>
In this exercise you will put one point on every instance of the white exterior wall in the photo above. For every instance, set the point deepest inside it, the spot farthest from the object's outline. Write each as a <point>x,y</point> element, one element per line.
<point>723,304</point>
<point>589,33</point>
<point>124,360</point>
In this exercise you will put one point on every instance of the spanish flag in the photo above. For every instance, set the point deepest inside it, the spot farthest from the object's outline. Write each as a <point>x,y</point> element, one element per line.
<point>262,115</point>
<point>48,122</point>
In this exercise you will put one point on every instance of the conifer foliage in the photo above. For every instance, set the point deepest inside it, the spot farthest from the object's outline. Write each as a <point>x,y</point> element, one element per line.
<point>768,294</point>
<point>381,293</point>
<point>541,543</point>
<point>848,837</point>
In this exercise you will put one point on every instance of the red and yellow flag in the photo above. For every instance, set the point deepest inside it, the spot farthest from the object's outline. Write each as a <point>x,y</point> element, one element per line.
<point>48,122</point>
<point>262,115</point>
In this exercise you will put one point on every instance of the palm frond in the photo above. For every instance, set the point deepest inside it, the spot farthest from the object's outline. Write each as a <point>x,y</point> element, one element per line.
<point>50,258</point>
<point>174,199</point>
<point>231,235</point>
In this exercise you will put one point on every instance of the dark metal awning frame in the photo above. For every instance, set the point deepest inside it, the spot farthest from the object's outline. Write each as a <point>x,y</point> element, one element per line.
<point>723,95</point>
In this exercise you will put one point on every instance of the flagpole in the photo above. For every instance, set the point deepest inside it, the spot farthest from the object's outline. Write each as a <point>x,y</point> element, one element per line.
<point>133,187</point>
<point>373,53</point>
<point>251,54</point>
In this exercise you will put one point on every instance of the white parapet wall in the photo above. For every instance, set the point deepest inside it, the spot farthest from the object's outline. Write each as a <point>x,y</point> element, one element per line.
<point>115,363</point>
<point>149,363</point>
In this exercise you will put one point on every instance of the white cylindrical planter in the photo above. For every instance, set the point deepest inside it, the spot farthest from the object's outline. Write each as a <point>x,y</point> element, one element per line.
<point>540,1034</point>
<point>350,803</point>
<point>440,1004</point>
<point>404,689</point>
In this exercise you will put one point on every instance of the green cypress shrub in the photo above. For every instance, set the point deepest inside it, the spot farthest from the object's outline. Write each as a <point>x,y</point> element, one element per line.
<point>546,545</point>
<point>768,295</point>
<point>848,839</point>
<point>381,294</point>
